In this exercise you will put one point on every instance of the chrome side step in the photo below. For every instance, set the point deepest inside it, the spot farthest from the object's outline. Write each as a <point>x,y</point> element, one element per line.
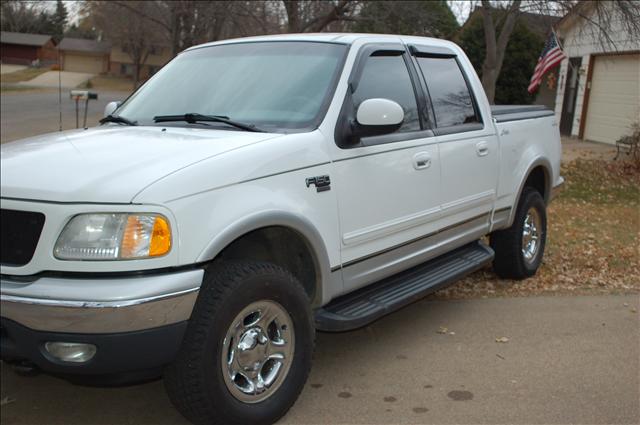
<point>361,307</point>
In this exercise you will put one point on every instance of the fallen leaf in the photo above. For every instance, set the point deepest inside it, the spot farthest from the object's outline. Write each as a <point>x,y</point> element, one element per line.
<point>502,339</point>
<point>442,330</point>
<point>6,400</point>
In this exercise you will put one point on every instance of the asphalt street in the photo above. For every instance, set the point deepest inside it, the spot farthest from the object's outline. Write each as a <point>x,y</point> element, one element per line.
<point>36,112</point>
<point>568,359</point>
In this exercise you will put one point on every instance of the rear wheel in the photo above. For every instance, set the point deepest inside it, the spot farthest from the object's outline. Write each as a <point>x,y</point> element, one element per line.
<point>519,249</point>
<point>247,351</point>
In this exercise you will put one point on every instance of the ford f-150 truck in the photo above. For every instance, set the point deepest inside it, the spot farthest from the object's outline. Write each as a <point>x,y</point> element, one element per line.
<point>252,192</point>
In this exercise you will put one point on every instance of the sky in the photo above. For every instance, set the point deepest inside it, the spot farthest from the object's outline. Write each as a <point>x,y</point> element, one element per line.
<point>461,9</point>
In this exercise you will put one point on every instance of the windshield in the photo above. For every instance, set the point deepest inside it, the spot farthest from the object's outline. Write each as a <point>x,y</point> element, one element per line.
<point>272,85</point>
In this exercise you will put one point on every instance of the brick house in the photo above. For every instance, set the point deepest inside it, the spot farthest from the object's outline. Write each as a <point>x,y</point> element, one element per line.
<point>25,49</point>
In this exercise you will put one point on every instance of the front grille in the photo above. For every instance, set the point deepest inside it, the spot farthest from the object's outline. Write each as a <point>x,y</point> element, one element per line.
<point>19,234</point>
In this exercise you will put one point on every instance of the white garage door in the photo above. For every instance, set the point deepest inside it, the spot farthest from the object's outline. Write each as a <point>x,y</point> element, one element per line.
<point>82,63</point>
<point>614,101</point>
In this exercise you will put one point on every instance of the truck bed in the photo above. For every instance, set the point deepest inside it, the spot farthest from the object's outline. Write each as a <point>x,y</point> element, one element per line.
<point>503,113</point>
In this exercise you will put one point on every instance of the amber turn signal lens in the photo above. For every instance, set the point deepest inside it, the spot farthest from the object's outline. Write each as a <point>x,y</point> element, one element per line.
<point>160,238</point>
<point>145,236</point>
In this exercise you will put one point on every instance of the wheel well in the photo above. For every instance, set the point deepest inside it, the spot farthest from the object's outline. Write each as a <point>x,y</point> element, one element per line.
<point>281,246</point>
<point>537,179</point>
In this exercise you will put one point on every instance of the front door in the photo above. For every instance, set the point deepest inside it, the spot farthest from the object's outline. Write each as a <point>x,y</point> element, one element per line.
<point>570,93</point>
<point>388,186</point>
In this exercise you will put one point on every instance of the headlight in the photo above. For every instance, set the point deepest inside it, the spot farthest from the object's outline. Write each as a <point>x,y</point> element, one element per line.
<point>114,237</point>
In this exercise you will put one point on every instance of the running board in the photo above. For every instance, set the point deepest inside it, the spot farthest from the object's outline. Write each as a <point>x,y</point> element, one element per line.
<point>365,305</point>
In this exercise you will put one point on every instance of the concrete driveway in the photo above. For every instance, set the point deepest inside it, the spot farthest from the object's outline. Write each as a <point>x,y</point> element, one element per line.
<point>67,79</point>
<point>8,69</point>
<point>568,360</point>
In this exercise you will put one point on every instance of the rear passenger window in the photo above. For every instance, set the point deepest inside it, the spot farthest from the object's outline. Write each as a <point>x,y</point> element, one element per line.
<point>387,77</point>
<point>452,101</point>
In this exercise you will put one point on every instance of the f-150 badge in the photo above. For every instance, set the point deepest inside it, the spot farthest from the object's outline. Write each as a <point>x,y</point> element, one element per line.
<point>322,183</point>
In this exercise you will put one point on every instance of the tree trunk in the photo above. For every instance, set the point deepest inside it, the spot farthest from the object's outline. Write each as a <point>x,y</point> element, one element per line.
<point>494,56</point>
<point>293,16</point>
<point>136,74</point>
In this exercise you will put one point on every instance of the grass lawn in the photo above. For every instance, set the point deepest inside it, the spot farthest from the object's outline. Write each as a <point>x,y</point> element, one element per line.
<point>593,242</point>
<point>109,83</point>
<point>14,89</point>
<point>22,75</point>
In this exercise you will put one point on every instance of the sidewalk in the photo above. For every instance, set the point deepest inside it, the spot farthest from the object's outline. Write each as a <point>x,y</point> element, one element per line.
<point>573,149</point>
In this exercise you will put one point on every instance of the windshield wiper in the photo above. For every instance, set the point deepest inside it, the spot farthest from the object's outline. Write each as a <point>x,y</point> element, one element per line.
<point>193,118</point>
<point>117,119</point>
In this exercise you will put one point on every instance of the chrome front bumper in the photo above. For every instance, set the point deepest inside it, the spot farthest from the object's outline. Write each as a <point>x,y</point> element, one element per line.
<point>100,305</point>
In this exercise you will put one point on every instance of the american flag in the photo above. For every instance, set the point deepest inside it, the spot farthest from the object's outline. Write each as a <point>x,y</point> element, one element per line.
<point>551,56</point>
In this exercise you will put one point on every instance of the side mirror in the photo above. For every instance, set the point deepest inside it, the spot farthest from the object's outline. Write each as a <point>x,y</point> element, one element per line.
<point>378,116</point>
<point>111,107</point>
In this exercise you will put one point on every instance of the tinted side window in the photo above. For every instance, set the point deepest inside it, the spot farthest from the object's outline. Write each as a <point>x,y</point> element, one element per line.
<point>387,77</point>
<point>452,102</point>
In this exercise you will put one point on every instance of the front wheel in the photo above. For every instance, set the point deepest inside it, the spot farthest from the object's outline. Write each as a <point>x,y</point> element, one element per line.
<point>519,249</point>
<point>247,352</point>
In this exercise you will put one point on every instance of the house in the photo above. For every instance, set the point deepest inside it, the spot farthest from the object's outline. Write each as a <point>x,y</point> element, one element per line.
<point>80,55</point>
<point>122,65</point>
<point>598,96</point>
<point>25,49</point>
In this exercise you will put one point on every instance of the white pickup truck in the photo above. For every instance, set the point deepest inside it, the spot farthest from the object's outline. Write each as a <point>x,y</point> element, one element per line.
<point>252,192</point>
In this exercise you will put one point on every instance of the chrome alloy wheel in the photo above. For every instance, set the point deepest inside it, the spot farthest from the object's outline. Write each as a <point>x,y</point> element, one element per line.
<point>258,351</point>
<point>531,235</point>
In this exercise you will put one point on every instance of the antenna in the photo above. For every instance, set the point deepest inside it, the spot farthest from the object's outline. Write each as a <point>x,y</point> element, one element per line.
<point>59,91</point>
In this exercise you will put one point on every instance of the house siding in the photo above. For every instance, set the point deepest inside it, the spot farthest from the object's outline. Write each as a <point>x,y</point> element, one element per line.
<point>18,54</point>
<point>580,42</point>
<point>152,63</point>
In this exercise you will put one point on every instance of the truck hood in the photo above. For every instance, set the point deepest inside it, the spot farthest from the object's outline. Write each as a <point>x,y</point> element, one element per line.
<point>109,164</point>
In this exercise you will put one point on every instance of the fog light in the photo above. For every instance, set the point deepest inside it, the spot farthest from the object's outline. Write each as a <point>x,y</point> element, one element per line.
<point>73,352</point>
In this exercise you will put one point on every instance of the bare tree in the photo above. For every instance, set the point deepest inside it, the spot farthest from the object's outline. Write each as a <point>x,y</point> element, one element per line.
<point>598,18</point>
<point>316,15</point>
<point>494,56</point>
<point>130,31</point>
<point>188,22</point>
<point>25,16</point>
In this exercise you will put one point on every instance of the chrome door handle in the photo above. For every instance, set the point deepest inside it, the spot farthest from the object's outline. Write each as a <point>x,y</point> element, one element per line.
<point>482,148</point>
<point>421,161</point>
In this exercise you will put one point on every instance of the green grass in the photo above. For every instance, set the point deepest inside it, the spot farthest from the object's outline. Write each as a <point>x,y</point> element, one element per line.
<point>22,75</point>
<point>12,88</point>
<point>105,82</point>
<point>600,182</point>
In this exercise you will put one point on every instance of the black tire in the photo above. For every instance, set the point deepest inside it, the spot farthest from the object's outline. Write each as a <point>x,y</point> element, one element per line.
<point>195,382</point>
<point>510,262</point>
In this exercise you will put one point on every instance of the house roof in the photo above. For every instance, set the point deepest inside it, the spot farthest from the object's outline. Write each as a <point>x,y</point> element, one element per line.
<point>573,15</point>
<point>84,45</point>
<point>539,24</point>
<point>24,39</point>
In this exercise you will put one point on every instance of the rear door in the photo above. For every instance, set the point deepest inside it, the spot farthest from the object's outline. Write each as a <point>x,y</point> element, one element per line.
<point>468,147</point>
<point>389,185</point>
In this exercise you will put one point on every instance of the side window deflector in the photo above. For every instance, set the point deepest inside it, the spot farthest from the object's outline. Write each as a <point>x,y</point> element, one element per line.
<point>432,51</point>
